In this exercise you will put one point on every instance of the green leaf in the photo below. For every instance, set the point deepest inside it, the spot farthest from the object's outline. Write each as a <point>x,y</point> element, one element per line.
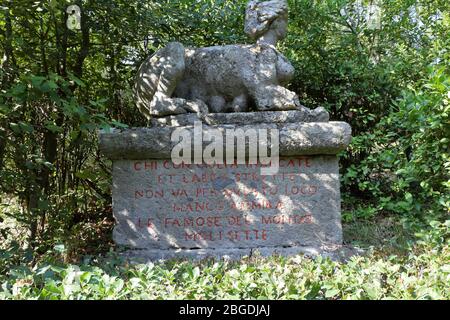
<point>77,80</point>
<point>331,293</point>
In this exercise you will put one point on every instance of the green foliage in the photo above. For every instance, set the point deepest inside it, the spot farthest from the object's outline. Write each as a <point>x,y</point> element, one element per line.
<point>427,135</point>
<point>409,166</point>
<point>389,80</point>
<point>422,274</point>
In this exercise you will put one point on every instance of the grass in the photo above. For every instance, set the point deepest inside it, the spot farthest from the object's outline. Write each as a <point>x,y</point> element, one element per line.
<point>397,266</point>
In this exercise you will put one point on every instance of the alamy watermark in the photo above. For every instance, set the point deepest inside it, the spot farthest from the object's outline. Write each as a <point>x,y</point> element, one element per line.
<point>227,146</point>
<point>73,17</point>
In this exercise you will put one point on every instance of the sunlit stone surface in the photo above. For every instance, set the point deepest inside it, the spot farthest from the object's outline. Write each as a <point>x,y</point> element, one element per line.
<point>165,210</point>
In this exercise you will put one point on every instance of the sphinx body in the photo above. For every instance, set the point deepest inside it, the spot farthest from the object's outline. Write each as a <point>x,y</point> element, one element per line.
<point>231,78</point>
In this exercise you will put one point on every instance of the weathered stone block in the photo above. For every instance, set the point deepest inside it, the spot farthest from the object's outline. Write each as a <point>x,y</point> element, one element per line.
<point>165,210</point>
<point>295,139</point>
<point>159,205</point>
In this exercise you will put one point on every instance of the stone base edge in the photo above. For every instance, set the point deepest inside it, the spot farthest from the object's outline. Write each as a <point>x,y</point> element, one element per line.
<point>291,116</point>
<point>336,253</point>
<point>314,138</point>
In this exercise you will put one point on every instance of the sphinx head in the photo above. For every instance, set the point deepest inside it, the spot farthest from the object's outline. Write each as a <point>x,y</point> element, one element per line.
<point>266,21</point>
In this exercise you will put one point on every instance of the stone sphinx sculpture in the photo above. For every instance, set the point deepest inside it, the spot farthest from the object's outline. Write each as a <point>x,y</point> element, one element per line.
<point>165,209</point>
<point>231,78</point>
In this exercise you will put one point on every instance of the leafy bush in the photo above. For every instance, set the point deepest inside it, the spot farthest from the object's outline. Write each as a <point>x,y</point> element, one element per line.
<point>424,273</point>
<point>408,169</point>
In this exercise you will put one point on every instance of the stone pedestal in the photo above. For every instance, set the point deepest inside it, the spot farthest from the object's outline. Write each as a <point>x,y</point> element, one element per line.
<point>165,210</point>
